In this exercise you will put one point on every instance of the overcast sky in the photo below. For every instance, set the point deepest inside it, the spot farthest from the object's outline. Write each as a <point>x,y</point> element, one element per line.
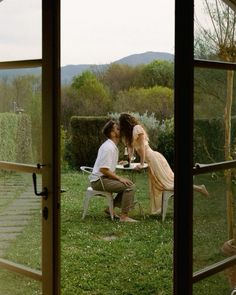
<point>92,31</point>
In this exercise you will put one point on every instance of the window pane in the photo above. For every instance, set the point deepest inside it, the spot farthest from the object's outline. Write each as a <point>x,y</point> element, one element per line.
<point>20,116</point>
<point>214,285</point>
<point>211,98</point>
<point>213,224</point>
<point>20,231</point>
<point>20,30</point>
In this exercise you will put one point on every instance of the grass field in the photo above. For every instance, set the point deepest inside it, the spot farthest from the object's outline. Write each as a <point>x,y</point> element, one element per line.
<point>101,257</point>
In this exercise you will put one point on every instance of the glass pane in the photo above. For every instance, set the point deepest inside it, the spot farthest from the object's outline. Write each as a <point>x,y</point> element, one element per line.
<point>214,31</point>
<point>20,116</point>
<point>214,285</point>
<point>20,30</point>
<point>20,223</point>
<point>211,98</point>
<point>15,284</point>
<point>214,222</point>
<point>209,221</point>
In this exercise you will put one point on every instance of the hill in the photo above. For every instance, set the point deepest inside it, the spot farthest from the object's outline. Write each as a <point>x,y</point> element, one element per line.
<point>69,71</point>
<point>145,58</point>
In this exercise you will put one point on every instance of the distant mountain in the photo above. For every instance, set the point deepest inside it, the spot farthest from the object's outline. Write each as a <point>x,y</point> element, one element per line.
<point>145,58</point>
<point>69,71</point>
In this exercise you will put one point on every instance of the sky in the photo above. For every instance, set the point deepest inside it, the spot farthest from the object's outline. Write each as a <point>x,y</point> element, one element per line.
<point>92,31</point>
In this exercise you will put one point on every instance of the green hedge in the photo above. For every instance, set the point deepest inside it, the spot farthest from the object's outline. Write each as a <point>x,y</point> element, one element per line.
<point>15,138</point>
<point>208,139</point>
<point>85,139</point>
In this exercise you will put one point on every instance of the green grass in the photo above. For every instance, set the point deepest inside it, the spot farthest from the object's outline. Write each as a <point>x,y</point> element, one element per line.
<point>99,256</point>
<point>104,257</point>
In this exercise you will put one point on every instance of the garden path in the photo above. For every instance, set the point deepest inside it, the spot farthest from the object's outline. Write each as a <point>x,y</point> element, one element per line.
<point>16,209</point>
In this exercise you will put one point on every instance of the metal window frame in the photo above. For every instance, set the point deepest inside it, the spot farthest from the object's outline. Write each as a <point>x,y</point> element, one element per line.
<point>183,166</point>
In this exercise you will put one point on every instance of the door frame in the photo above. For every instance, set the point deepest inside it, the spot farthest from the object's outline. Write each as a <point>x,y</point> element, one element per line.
<point>51,93</point>
<point>184,278</point>
<point>50,166</point>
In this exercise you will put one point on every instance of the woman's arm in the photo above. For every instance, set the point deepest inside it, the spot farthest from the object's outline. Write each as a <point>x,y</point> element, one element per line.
<point>130,152</point>
<point>141,150</point>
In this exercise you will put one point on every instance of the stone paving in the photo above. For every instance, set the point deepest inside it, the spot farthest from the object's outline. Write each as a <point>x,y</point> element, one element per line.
<point>16,209</point>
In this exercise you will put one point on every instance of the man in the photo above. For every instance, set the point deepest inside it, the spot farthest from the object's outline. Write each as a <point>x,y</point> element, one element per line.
<point>104,175</point>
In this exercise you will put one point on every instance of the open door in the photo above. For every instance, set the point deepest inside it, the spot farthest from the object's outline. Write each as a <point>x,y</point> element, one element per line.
<point>29,190</point>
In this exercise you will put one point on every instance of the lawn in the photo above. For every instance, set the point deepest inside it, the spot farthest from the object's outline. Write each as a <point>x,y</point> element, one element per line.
<point>104,257</point>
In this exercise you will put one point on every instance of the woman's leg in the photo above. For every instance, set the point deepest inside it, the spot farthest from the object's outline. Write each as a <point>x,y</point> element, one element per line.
<point>201,189</point>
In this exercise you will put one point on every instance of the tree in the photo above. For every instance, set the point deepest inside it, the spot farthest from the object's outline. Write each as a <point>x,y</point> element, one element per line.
<point>92,97</point>
<point>158,73</point>
<point>158,100</point>
<point>119,77</point>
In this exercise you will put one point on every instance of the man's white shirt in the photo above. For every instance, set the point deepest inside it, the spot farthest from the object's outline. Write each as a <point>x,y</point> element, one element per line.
<point>107,157</point>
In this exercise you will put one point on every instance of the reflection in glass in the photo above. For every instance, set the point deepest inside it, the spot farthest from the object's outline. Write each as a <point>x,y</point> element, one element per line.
<point>210,96</point>
<point>20,115</point>
<point>211,227</point>
<point>21,30</point>
<point>20,229</point>
<point>214,285</point>
<point>10,282</point>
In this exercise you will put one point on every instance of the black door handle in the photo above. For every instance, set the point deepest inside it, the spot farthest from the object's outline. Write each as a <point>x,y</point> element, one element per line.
<point>44,193</point>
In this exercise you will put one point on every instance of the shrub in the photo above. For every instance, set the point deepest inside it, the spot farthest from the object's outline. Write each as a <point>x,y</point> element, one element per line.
<point>8,130</point>
<point>85,139</point>
<point>15,136</point>
<point>208,138</point>
<point>24,140</point>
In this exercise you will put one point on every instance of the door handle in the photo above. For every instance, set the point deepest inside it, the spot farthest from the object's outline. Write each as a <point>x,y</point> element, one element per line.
<point>44,193</point>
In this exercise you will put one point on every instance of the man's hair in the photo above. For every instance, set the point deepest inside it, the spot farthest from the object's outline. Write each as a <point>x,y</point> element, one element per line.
<point>108,128</point>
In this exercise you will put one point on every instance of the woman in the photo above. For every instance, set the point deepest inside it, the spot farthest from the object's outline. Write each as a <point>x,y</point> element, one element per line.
<point>161,176</point>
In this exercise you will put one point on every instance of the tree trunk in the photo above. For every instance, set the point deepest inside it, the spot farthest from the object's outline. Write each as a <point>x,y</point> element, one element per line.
<point>228,174</point>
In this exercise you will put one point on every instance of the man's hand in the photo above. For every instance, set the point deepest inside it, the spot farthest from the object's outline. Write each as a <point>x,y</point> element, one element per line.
<point>108,173</point>
<point>125,181</point>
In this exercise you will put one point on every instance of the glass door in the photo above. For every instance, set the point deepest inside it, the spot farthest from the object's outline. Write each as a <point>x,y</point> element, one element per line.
<point>29,155</point>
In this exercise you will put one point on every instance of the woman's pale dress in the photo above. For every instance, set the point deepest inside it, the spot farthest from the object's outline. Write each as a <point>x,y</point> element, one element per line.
<point>161,176</point>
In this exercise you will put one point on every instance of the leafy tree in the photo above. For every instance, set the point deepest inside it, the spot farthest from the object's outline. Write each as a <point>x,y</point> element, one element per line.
<point>69,105</point>
<point>158,100</point>
<point>80,80</point>
<point>119,77</point>
<point>92,96</point>
<point>158,73</point>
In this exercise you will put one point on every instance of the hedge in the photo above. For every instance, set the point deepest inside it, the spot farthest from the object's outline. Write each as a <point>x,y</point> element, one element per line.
<point>208,140</point>
<point>15,138</point>
<point>85,139</point>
